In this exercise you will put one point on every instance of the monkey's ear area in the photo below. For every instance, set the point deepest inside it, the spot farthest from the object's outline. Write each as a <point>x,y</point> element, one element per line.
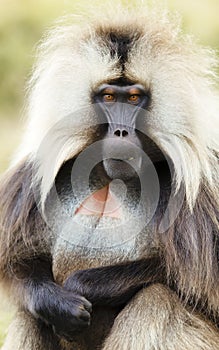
<point>101,203</point>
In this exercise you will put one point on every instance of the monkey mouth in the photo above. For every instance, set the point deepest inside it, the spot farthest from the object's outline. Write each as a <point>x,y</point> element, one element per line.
<point>123,160</point>
<point>124,169</point>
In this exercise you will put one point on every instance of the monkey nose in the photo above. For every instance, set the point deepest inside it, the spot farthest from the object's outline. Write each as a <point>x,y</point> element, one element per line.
<point>121,133</point>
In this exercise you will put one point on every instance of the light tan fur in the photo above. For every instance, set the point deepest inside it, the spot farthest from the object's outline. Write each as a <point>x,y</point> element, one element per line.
<point>156,320</point>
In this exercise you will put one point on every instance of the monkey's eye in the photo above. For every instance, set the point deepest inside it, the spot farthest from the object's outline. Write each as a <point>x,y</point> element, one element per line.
<point>109,97</point>
<point>134,99</point>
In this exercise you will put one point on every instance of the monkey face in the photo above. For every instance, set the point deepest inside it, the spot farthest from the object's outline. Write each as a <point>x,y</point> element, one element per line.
<point>121,107</point>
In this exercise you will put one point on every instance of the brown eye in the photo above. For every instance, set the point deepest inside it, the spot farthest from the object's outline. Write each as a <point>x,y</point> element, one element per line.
<point>109,98</point>
<point>134,99</point>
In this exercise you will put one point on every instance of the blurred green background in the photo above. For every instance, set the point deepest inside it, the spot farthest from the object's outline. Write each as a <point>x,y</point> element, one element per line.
<point>22,23</point>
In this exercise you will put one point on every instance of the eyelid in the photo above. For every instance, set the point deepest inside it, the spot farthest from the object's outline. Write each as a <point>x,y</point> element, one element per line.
<point>134,91</point>
<point>108,91</point>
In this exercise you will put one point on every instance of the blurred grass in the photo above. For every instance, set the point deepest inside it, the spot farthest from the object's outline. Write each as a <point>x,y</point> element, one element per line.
<point>22,23</point>
<point>10,135</point>
<point>5,319</point>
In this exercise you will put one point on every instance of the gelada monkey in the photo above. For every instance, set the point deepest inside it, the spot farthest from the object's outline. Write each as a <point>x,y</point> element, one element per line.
<point>109,215</point>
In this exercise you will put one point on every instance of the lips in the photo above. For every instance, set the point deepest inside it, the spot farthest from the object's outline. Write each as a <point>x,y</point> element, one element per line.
<point>125,159</point>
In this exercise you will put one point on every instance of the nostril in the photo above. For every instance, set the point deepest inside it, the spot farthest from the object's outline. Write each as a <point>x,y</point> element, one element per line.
<point>117,133</point>
<point>124,133</point>
<point>121,133</point>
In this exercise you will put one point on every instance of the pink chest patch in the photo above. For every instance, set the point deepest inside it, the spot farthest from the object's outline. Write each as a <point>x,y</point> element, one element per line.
<point>101,203</point>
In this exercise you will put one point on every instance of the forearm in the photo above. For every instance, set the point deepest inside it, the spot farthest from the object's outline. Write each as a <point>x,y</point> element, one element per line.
<point>37,293</point>
<point>29,278</point>
<point>115,284</point>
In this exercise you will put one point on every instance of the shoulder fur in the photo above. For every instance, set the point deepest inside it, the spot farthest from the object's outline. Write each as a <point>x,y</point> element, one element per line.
<point>21,225</point>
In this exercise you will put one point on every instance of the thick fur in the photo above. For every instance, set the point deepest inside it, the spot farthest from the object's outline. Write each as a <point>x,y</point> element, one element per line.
<point>162,323</point>
<point>176,305</point>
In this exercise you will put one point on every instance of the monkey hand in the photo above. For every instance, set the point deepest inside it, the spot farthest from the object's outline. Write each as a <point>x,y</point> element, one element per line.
<point>67,313</point>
